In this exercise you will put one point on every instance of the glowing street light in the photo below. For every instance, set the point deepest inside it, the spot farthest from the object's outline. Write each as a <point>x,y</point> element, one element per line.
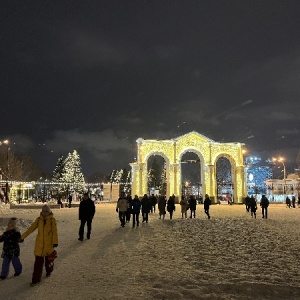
<point>4,142</point>
<point>281,160</point>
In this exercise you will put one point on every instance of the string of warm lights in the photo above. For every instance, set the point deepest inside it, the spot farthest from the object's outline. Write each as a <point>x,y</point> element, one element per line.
<point>56,183</point>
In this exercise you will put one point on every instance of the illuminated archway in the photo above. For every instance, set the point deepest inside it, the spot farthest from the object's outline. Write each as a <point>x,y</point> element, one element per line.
<point>208,152</point>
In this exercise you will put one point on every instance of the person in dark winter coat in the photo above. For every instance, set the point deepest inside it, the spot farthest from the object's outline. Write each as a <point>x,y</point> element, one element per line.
<point>122,207</point>
<point>294,201</point>
<point>288,202</point>
<point>153,202</point>
<point>171,206</point>
<point>86,215</point>
<point>247,203</point>
<point>135,208</point>
<point>192,205</point>
<point>146,206</point>
<point>162,202</point>
<point>264,203</point>
<point>11,249</point>
<point>206,204</point>
<point>253,207</point>
<point>59,202</point>
<point>129,211</point>
<point>70,198</point>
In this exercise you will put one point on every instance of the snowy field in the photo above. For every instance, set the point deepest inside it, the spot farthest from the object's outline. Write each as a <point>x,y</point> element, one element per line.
<point>230,256</point>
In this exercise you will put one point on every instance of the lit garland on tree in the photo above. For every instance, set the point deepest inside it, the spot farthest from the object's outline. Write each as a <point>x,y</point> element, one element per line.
<point>71,174</point>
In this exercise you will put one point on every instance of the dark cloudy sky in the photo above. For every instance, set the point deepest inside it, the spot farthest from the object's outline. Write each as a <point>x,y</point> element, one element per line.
<point>96,75</point>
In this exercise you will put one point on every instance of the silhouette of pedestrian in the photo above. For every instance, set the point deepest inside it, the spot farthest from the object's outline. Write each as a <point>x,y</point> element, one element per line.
<point>171,206</point>
<point>192,205</point>
<point>70,198</point>
<point>146,205</point>
<point>207,203</point>
<point>135,208</point>
<point>153,202</point>
<point>247,203</point>
<point>86,215</point>
<point>162,206</point>
<point>122,206</point>
<point>129,210</point>
<point>253,207</point>
<point>264,203</point>
<point>184,207</point>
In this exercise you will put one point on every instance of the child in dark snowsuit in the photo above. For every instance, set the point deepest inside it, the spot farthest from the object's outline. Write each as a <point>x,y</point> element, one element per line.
<point>11,249</point>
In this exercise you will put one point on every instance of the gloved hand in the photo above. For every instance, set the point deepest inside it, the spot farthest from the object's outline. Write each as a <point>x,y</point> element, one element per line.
<point>55,245</point>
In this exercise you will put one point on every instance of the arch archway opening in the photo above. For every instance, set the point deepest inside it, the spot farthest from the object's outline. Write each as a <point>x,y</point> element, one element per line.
<point>191,176</point>
<point>224,180</point>
<point>156,175</point>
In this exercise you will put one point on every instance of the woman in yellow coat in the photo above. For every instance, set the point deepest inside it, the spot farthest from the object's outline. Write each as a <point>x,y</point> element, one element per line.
<point>46,241</point>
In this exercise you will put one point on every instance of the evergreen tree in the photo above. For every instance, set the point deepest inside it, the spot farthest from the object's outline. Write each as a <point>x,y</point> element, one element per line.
<point>154,175</point>
<point>127,184</point>
<point>119,176</point>
<point>78,176</point>
<point>112,176</point>
<point>122,177</point>
<point>163,178</point>
<point>58,171</point>
<point>125,181</point>
<point>72,175</point>
<point>116,176</point>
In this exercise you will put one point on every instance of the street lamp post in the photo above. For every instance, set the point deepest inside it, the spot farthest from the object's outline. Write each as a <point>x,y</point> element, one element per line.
<point>6,142</point>
<point>281,160</point>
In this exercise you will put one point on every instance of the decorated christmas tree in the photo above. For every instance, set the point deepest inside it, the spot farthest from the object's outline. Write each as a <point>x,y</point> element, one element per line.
<point>72,176</point>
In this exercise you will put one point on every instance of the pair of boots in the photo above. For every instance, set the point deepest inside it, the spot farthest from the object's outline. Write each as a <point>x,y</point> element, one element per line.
<point>88,236</point>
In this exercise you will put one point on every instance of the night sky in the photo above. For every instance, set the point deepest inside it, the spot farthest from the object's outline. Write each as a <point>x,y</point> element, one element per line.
<point>96,75</point>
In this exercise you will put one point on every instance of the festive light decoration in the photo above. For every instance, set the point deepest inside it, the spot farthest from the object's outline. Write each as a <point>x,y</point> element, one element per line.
<point>172,151</point>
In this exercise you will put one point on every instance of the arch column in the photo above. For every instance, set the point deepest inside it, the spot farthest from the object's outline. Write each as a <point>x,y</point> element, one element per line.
<point>143,179</point>
<point>134,179</point>
<point>240,190</point>
<point>210,182</point>
<point>173,182</point>
<point>138,180</point>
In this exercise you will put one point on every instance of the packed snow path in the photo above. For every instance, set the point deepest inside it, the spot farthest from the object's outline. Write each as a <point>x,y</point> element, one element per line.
<point>230,256</point>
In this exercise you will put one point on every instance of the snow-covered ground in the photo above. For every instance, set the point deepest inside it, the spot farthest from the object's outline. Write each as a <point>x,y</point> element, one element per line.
<point>230,256</point>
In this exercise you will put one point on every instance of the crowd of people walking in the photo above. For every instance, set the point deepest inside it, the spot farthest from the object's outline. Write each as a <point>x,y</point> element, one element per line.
<point>251,206</point>
<point>127,207</point>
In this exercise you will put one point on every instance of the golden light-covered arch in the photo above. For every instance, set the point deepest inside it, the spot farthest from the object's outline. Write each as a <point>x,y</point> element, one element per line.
<point>172,151</point>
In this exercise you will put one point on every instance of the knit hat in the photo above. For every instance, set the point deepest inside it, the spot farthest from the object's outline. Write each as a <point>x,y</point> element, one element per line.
<point>47,209</point>
<point>12,223</point>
